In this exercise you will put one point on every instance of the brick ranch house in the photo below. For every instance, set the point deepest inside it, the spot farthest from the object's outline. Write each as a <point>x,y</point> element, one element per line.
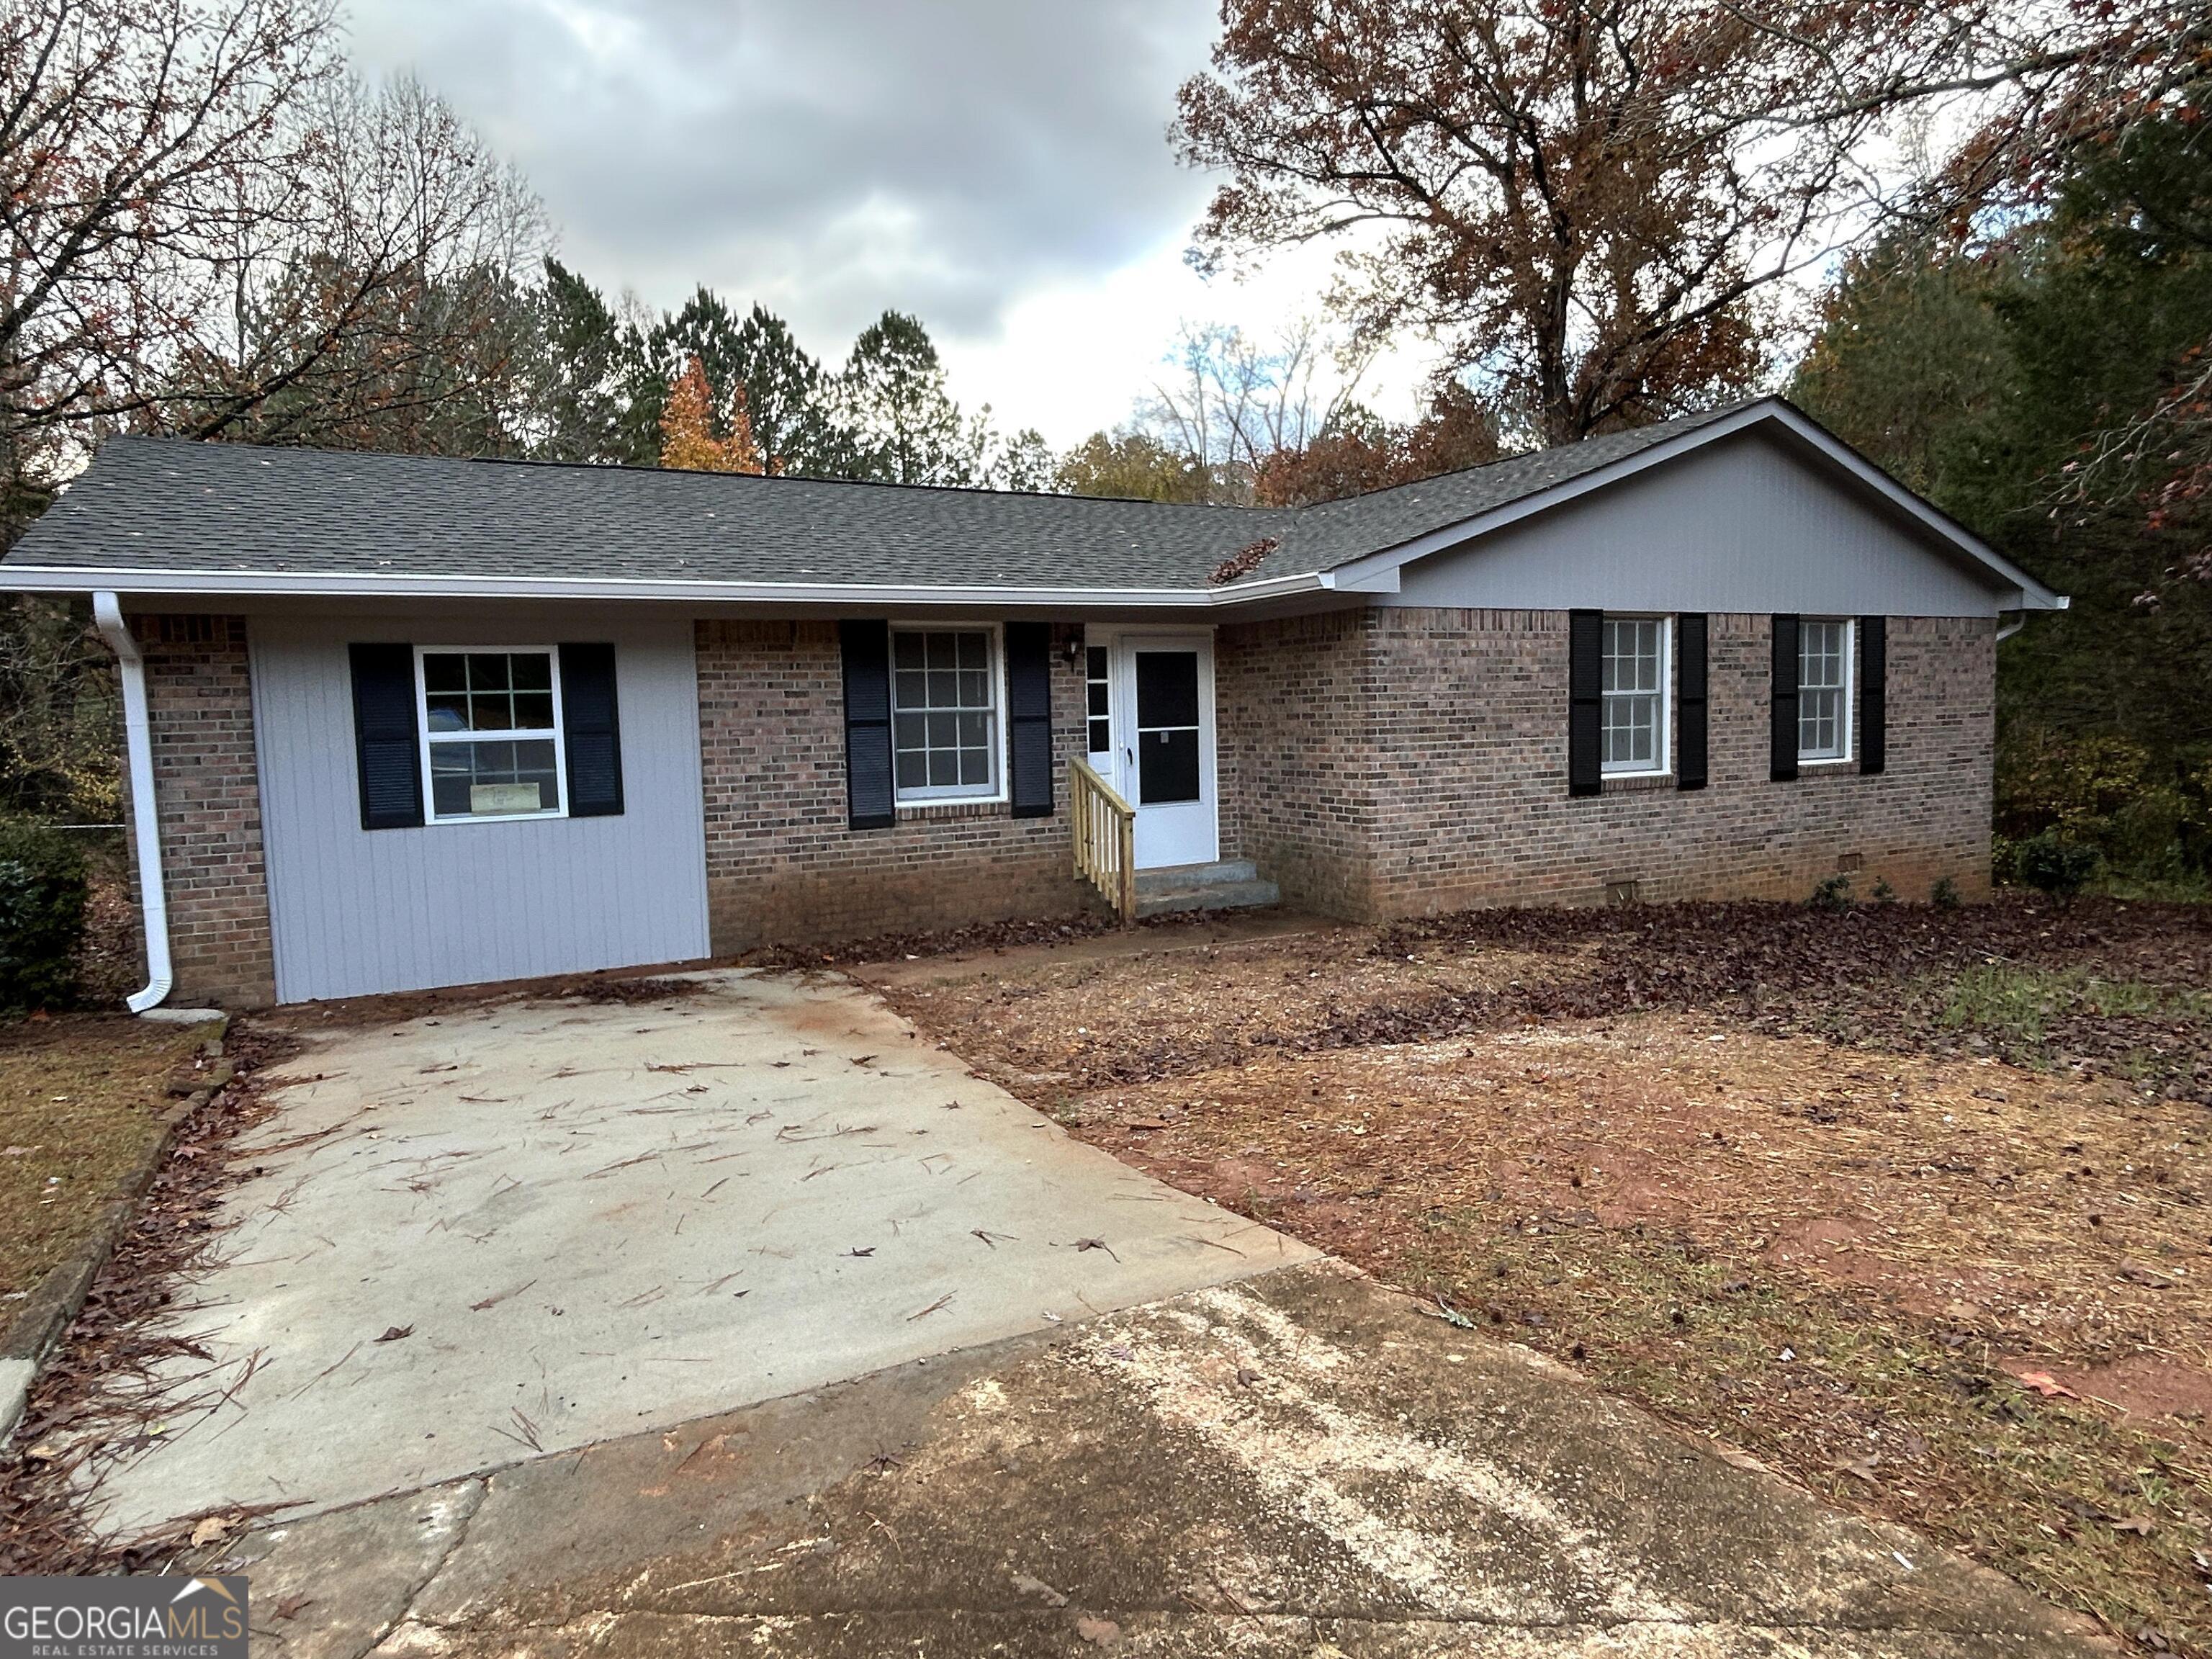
<point>397,722</point>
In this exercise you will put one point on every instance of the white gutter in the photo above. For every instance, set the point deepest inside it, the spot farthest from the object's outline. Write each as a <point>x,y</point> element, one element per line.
<point>60,578</point>
<point>138,747</point>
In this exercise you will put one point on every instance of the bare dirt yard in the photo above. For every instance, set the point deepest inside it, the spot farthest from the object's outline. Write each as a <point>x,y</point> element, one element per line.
<point>1908,1204</point>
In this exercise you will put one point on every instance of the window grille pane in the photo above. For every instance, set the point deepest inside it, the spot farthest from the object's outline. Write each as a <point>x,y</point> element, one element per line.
<point>1102,737</point>
<point>491,779</point>
<point>480,691</point>
<point>945,711</point>
<point>1632,700</point>
<point>1823,666</point>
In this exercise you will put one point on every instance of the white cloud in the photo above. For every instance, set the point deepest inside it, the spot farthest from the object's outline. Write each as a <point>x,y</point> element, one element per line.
<point>998,167</point>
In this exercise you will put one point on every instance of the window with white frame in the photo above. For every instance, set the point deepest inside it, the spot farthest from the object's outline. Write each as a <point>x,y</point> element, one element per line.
<point>1824,690</point>
<point>944,714</point>
<point>491,733</point>
<point>1634,706</point>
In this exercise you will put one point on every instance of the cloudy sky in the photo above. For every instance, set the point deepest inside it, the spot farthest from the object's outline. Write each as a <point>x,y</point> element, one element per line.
<point>1001,167</point>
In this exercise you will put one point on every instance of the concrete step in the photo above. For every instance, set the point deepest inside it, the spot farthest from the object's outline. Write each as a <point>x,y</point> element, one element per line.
<point>1227,885</point>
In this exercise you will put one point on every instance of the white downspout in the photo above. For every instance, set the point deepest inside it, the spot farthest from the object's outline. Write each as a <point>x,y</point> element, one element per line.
<point>138,749</point>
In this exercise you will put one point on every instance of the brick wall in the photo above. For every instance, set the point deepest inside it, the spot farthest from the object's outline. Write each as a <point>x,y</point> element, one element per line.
<point>1404,762</point>
<point>1293,698</point>
<point>782,866</point>
<point>207,789</point>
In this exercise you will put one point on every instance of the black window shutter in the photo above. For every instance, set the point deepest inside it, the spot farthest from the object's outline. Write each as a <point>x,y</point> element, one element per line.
<point>1029,718</point>
<point>1690,700</point>
<point>1585,702</point>
<point>386,747</point>
<point>866,648</point>
<point>592,726</point>
<point>1784,721</point>
<point>1873,693</point>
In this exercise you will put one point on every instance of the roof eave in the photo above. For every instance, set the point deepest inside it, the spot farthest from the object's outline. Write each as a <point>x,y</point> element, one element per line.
<point>141,585</point>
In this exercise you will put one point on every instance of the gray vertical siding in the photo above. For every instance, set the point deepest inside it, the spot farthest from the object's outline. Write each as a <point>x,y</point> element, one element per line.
<point>1744,525</point>
<point>354,912</point>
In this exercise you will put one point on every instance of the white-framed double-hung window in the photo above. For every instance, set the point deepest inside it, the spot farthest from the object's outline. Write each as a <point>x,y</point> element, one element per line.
<point>1632,729</point>
<point>491,732</point>
<point>1823,689</point>
<point>947,739</point>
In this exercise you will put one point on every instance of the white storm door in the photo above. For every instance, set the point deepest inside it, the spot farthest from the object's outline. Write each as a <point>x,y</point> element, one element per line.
<point>1164,731</point>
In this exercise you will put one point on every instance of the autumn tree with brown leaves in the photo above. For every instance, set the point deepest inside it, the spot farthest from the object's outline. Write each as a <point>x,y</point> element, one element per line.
<point>1561,192</point>
<point>1357,454</point>
<point>697,437</point>
<point>1591,204</point>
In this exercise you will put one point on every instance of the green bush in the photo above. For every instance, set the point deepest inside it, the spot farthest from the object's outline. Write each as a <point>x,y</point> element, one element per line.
<point>1833,893</point>
<point>2057,865</point>
<point>41,915</point>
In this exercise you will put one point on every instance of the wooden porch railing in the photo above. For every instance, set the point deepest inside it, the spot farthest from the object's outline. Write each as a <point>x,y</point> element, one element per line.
<point>1105,839</point>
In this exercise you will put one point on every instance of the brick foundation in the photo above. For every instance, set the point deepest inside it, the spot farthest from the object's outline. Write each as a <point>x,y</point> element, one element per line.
<point>783,867</point>
<point>207,788</point>
<point>1407,762</point>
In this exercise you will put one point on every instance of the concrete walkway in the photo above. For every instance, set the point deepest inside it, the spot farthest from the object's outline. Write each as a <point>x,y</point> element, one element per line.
<point>1299,1464</point>
<point>531,1227</point>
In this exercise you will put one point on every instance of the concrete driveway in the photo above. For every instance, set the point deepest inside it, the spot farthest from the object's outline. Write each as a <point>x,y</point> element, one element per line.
<point>531,1225</point>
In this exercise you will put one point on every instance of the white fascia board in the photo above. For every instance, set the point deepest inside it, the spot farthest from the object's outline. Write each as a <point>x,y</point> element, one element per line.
<point>2031,595</point>
<point>261,584</point>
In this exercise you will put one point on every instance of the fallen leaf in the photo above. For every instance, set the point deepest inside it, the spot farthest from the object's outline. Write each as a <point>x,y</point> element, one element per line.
<point>2136,1273</point>
<point>211,1529</point>
<point>1104,1632</point>
<point>1862,1468</point>
<point>291,1605</point>
<point>1247,1376</point>
<point>396,1333</point>
<point>1038,1588</point>
<point>2046,1385</point>
<point>2139,1524</point>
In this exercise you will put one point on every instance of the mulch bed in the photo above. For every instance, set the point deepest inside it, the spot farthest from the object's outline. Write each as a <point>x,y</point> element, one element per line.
<point>80,1409</point>
<point>1872,974</point>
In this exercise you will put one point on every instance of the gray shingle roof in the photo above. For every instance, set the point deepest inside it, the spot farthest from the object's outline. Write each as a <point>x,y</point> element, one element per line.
<point>172,504</point>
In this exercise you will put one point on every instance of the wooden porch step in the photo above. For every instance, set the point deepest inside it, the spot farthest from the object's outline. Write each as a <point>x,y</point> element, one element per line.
<point>1227,885</point>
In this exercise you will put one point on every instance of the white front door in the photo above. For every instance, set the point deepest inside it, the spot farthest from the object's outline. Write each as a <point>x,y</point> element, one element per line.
<point>1162,727</point>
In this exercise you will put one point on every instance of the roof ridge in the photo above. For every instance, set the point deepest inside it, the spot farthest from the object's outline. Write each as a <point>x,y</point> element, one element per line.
<point>626,469</point>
